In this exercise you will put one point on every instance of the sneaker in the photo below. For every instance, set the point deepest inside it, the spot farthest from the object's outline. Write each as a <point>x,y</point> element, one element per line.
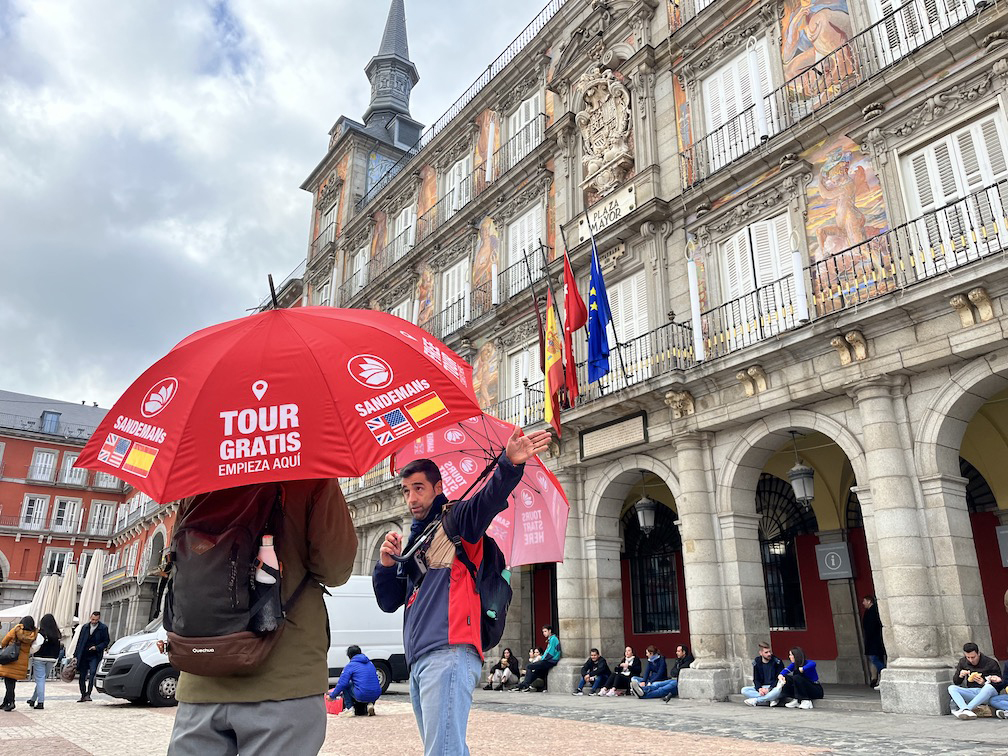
<point>602,692</point>
<point>636,689</point>
<point>578,693</point>
<point>611,693</point>
<point>876,687</point>
<point>750,702</point>
<point>806,704</point>
<point>964,714</point>
<point>39,706</point>
<point>487,687</point>
<point>792,704</point>
<point>1001,713</point>
<point>773,703</point>
<point>370,709</point>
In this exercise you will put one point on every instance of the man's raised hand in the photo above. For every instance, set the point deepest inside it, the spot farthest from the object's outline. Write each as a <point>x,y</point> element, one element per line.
<point>520,448</point>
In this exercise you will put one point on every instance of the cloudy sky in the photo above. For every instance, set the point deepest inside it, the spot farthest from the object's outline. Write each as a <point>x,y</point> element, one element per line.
<point>151,154</point>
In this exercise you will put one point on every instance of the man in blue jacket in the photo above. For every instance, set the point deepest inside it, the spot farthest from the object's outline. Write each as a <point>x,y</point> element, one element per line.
<point>91,645</point>
<point>441,624</point>
<point>358,684</point>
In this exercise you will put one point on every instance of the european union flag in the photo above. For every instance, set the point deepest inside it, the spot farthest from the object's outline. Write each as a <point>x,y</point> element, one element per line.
<point>598,321</point>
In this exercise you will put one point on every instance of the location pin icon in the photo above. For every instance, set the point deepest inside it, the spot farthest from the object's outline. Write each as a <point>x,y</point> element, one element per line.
<point>259,388</point>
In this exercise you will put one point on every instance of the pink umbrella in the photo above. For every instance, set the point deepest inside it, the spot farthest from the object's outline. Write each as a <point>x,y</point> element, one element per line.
<point>533,528</point>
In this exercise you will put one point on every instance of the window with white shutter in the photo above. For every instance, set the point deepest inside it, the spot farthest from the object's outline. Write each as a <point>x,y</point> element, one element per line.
<point>908,24</point>
<point>403,310</point>
<point>522,365</point>
<point>455,297</point>
<point>359,270</point>
<point>70,475</point>
<point>728,95</point>
<point>43,465</point>
<point>320,294</point>
<point>954,196</point>
<point>757,283</point>
<point>524,130</point>
<point>629,307</point>
<point>458,186</point>
<point>64,516</point>
<point>404,231</point>
<point>33,511</point>
<point>523,235</point>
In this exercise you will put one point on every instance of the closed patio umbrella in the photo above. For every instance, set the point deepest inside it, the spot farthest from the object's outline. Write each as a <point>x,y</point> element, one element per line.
<point>66,600</point>
<point>44,601</point>
<point>90,596</point>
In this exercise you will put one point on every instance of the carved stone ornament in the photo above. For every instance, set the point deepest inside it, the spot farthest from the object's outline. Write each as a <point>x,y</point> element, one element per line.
<point>445,256</point>
<point>747,382</point>
<point>981,300</point>
<point>450,155</point>
<point>933,109</point>
<point>519,92</point>
<point>961,305</point>
<point>333,187</point>
<point>723,45</point>
<point>520,334</point>
<point>752,208</point>
<point>510,207</point>
<point>850,347</point>
<point>872,110</point>
<point>681,403</point>
<point>398,293</point>
<point>605,125</point>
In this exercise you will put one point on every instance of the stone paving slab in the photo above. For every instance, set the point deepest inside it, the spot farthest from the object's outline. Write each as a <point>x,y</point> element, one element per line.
<point>519,724</point>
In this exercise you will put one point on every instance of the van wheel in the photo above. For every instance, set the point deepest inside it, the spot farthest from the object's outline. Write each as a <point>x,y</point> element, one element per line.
<point>161,687</point>
<point>384,674</point>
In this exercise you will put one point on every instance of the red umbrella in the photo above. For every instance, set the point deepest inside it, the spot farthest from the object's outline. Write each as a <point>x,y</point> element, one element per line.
<point>307,392</point>
<point>534,526</point>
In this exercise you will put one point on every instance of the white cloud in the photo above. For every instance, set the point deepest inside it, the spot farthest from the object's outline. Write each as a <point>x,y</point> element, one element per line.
<point>151,154</point>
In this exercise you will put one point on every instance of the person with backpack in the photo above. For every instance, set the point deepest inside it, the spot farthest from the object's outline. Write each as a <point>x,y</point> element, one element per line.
<point>274,704</point>
<point>444,616</point>
<point>358,684</point>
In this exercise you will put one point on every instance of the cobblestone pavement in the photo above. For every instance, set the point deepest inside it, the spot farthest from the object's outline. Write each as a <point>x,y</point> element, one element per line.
<point>518,723</point>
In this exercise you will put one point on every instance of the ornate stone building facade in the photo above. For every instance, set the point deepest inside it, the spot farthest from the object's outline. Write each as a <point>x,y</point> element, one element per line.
<point>800,211</point>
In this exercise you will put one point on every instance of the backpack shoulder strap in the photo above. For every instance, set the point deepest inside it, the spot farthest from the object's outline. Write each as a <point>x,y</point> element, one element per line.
<point>448,524</point>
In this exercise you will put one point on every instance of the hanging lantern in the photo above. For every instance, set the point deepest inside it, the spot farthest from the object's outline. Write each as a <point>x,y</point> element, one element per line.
<point>646,509</point>
<point>802,477</point>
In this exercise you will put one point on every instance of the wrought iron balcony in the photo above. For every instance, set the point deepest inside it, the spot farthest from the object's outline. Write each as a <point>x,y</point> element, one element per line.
<point>508,155</point>
<point>749,319</point>
<point>322,242</point>
<point>516,278</point>
<point>391,253</point>
<point>35,425</point>
<point>349,288</point>
<point>859,60</point>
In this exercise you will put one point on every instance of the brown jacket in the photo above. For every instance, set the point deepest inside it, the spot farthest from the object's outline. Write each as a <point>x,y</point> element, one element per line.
<point>18,669</point>
<point>318,537</point>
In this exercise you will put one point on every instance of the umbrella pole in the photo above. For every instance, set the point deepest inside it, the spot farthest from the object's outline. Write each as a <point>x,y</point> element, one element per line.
<point>276,305</point>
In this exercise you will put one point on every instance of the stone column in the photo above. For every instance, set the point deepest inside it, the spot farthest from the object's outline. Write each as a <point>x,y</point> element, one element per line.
<point>742,571</point>
<point>919,671</point>
<point>850,661</point>
<point>709,677</point>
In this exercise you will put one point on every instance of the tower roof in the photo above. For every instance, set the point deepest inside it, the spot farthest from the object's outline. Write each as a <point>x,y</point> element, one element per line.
<point>394,39</point>
<point>391,72</point>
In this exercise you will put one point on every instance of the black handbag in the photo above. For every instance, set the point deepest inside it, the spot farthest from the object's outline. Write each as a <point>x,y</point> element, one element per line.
<point>10,652</point>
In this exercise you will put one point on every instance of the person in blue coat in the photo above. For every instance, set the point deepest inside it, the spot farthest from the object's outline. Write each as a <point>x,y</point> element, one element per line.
<point>359,684</point>
<point>656,672</point>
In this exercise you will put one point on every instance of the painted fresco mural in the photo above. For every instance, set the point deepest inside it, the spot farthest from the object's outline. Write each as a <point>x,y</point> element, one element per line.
<point>425,294</point>
<point>379,233</point>
<point>674,14</point>
<point>810,31</point>
<point>427,200</point>
<point>378,165</point>
<point>551,222</point>
<point>487,144</point>
<point>486,375</point>
<point>846,208</point>
<point>487,254</point>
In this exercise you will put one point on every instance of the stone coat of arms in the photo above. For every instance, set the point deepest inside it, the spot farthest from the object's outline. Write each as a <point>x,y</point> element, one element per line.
<point>605,128</point>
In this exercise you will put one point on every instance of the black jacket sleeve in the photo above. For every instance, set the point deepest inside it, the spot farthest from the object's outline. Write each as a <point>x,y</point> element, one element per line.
<point>474,515</point>
<point>635,667</point>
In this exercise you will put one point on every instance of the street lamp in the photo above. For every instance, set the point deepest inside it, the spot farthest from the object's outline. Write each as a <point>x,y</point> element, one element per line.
<point>646,509</point>
<point>802,477</point>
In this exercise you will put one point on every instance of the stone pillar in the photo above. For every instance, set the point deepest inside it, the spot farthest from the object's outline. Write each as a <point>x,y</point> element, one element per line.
<point>956,568</point>
<point>919,669</point>
<point>850,661</point>
<point>742,570</point>
<point>710,676</point>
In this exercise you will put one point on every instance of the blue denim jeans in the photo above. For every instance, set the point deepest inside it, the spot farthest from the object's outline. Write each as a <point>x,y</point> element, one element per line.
<point>970,698</point>
<point>999,701</point>
<point>659,689</point>
<point>594,686</point>
<point>40,671</point>
<point>772,695</point>
<point>441,690</point>
<point>878,663</point>
<point>87,669</point>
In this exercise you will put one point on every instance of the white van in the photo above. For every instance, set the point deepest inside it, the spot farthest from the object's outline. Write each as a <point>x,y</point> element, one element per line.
<point>133,668</point>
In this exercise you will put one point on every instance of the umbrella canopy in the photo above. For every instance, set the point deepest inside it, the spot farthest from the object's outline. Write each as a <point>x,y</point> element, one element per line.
<point>16,612</point>
<point>66,601</point>
<point>534,526</point>
<point>44,601</point>
<point>308,392</point>
<point>91,594</point>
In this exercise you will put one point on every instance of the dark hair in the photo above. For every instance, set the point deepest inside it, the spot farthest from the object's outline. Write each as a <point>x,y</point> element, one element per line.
<point>425,466</point>
<point>651,650</point>
<point>548,627</point>
<point>506,651</point>
<point>536,649</point>
<point>594,651</point>
<point>352,651</point>
<point>48,627</point>
<point>799,657</point>
<point>868,597</point>
<point>96,613</point>
<point>968,648</point>
<point>28,622</point>
<point>685,649</point>
<point>763,644</point>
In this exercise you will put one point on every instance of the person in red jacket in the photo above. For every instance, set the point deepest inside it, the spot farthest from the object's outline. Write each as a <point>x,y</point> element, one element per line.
<point>441,624</point>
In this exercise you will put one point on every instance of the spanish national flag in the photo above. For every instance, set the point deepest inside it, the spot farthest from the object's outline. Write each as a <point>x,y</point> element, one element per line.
<point>554,366</point>
<point>139,460</point>
<point>426,409</point>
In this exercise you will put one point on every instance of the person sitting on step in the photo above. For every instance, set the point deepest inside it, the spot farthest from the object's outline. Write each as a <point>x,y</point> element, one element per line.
<point>976,680</point>
<point>799,682</point>
<point>505,672</point>
<point>619,681</point>
<point>538,670</point>
<point>655,672</point>
<point>766,669</point>
<point>594,672</point>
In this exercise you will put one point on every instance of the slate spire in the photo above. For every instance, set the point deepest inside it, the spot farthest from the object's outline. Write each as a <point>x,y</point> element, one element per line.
<point>391,72</point>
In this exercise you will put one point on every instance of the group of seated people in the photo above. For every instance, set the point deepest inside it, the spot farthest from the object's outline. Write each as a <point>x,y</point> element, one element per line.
<point>506,676</point>
<point>660,679</point>
<point>978,686</point>
<point>796,684</point>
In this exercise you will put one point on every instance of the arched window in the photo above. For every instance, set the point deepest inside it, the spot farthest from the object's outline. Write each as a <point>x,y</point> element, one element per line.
<point>979,497</point>
<point>654,587</point>
<point>782,518</point>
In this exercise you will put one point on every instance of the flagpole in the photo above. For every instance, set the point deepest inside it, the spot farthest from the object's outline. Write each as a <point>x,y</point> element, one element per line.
<point>619,347</point>
<point>535,304</point>
<point>556,307</point>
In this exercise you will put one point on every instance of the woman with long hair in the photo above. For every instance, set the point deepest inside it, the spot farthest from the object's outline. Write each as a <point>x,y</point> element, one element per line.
<point>800,681</point>
<point>23,632</point>
<point>45,658</point>
<point>619,681</point>
<point>505,673</point>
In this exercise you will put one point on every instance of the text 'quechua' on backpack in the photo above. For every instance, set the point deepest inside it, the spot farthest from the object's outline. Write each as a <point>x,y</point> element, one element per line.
<point>492,579</point>
<point>220,621</point>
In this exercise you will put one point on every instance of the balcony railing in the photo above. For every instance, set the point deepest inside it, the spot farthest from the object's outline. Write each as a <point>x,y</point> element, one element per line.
<point>509,155</point>
<point>322,241</point>
<point>515,278</point>
<point>349,288</point>
<point>962,232</point>
<point>749,319</point>
<point>380,474</point>
<point>391,253</point>
<point>512,50</point>
<point>862,58</point>
<point>34,425</point>
<point>292,279</point>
